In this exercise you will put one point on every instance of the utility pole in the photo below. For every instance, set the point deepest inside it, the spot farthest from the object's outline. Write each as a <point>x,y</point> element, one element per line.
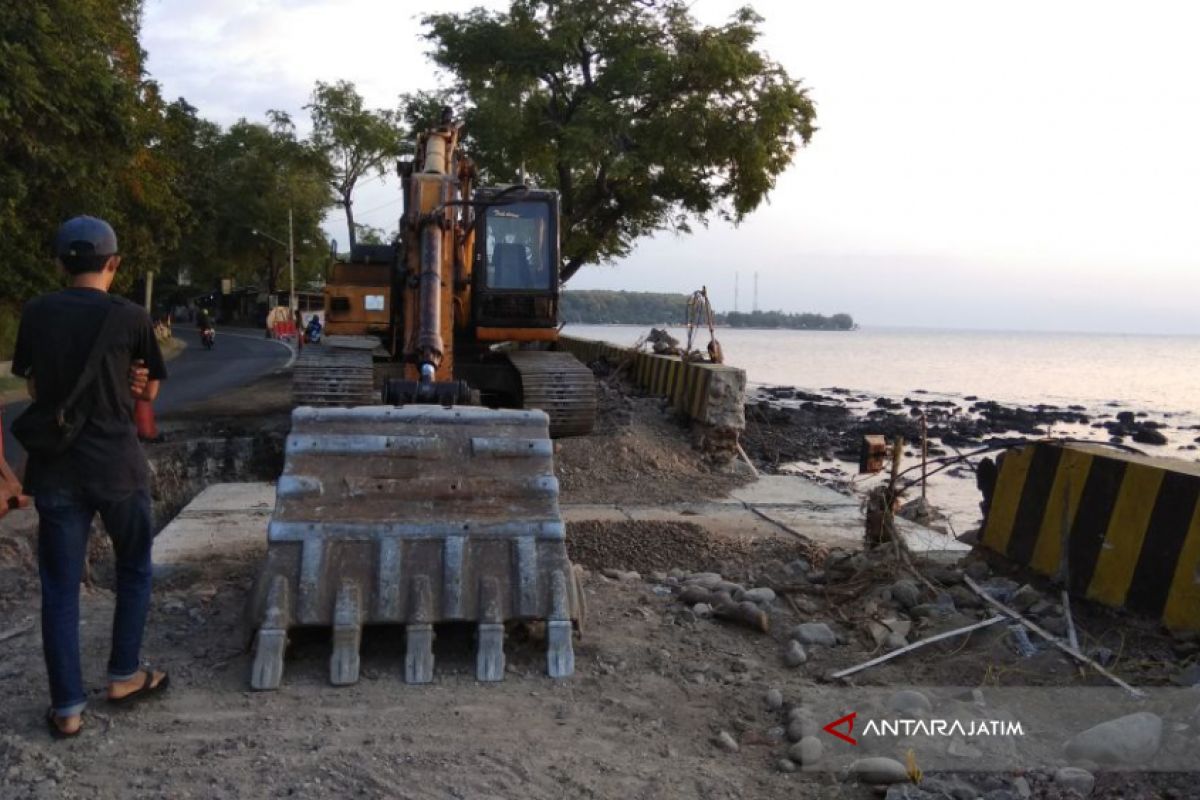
<point>735,291</point>
<point>149,292</point>
<point>291,264</point>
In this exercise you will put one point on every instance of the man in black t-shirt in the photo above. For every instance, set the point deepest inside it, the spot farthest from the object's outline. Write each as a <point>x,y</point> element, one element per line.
<point>103,472</point>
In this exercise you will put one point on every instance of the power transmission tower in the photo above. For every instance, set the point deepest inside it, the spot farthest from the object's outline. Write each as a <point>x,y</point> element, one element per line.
<point>735,291</point>
<point>756,292</point>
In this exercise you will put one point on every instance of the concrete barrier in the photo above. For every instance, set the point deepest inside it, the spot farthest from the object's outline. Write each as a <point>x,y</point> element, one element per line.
<point>1117,528</point>
<point>713,395</point>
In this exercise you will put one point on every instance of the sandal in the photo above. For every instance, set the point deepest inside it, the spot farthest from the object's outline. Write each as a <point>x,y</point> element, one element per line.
<point>55,730</point>
<point>144,691</point>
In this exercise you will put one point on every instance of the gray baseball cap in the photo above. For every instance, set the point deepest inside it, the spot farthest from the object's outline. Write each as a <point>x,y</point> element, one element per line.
<point>85,236</point>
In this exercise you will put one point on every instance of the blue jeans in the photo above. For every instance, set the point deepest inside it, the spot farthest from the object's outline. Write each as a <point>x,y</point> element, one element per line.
<point>64,522</point>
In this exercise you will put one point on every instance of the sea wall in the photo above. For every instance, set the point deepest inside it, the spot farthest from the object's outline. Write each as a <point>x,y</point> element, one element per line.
<point>711,396</point>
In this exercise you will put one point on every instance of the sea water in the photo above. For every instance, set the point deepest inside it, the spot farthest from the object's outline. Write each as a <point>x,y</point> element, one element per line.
<point>1103,373</point>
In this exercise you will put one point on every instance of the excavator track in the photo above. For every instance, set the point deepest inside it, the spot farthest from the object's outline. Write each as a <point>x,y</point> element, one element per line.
<point>333,376</point>
<point>557,383</point>
<point>415,516</point>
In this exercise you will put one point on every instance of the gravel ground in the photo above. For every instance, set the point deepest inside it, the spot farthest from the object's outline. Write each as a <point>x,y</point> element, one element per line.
<point>657,683</point>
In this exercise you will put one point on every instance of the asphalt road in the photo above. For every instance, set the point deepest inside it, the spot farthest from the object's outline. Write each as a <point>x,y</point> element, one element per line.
<point>238,357</point>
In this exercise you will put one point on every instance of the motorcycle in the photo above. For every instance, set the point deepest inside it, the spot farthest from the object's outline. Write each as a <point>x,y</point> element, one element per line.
<point>207,338</point>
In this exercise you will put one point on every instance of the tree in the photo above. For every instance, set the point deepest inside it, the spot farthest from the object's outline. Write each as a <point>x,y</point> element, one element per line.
<point>369,234</point>
<point>354,141</point>
<point>641,118</point>
<point>261,172</point>
<point>78,124</point>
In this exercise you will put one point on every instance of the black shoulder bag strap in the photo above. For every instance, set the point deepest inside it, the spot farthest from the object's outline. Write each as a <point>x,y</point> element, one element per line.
<point>92,366</point>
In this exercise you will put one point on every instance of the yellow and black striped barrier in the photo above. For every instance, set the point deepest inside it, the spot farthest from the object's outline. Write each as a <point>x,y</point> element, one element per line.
<point>705,392</point>
<point>1117,528</point>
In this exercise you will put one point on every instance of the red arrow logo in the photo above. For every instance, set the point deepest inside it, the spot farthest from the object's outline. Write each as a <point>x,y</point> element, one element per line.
<point>848,721</point>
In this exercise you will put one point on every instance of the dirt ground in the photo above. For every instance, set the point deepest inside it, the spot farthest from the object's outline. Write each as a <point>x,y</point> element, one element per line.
<point>656,681</point>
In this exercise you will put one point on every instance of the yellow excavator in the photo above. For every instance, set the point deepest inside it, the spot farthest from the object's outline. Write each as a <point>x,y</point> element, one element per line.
<point>439,504</point>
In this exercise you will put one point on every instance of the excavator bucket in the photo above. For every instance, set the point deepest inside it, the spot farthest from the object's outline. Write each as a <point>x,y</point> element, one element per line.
<point>414,516</point>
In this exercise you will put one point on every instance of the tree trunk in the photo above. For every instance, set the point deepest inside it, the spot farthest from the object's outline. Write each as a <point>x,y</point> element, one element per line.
<point>570,268</point>
<point>347,203</point>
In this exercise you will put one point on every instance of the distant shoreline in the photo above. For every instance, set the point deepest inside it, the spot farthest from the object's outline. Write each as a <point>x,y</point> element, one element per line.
<point>680,325</point>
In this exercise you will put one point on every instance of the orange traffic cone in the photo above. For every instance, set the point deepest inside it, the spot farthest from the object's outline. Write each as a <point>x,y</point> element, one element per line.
<point>143,417</point>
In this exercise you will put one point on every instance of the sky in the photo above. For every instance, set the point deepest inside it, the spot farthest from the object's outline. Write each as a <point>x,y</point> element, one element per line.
<point>1024,165</point>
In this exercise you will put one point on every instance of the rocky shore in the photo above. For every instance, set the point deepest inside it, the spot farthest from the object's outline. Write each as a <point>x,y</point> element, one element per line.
<point>819,434</point>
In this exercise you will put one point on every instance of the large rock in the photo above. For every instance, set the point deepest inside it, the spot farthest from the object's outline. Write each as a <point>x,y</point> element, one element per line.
<point>763,595</point>
<point>1132,739</point>
<point>706,579</point>
<point>1149,436</point>
<point>817,633</point>
<point>801,728</point>
<point>910,702</point>
<point>1025,597</point>
<point>906,791</point>
<point>879,771</point>
<point>1077,780</point>
<point>807,751</point>
<point>794,656</point>
<point>905,593</point>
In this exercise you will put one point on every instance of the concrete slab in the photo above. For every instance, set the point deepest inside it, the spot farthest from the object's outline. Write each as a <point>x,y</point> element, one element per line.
<point>234,497</point>
<point>232,518</point>
<point>928,541</point>
<point>789,490</point>
<point>593,512</point>
<point>224,519</point>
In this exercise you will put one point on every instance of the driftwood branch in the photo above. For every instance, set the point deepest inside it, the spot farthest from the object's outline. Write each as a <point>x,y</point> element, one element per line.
<point>1049,637</point>
<point>917,644</point>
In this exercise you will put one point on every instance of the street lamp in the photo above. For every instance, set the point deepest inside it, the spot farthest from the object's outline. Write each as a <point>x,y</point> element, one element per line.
<point>291,259</point>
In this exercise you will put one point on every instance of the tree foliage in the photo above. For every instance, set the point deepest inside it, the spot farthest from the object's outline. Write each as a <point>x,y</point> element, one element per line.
<point>262,171</point>
<point>643,119</point>
<point>603,307</point>
<point>354,140</point>
<point>81,131</point>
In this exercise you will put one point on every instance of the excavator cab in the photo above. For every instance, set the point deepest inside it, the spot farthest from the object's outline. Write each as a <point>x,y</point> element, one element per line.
<point>516,262</point>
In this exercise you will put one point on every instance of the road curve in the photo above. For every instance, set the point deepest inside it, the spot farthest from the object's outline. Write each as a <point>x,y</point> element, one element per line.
<point>239,357</point>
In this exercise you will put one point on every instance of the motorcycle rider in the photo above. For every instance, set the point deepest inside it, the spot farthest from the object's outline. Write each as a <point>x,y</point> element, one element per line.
<point>204,323</point>
<point>313,332</point>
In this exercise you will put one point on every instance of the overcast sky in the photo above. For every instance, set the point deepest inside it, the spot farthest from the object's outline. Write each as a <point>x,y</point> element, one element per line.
<point>1018,164</point>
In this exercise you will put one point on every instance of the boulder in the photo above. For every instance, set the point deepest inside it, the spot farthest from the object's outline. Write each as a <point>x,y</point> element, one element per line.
<point>1131,739</point>
<point>906,593</point>
<point>706,579</point>
<point>1146,435</point>
<point>807,751</point>
<point>879,771</point>
<point>910,702</point>
<point>814,633</point>
<point>762,595</point>
<point>1074,779</point>
<point>794,655</point>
